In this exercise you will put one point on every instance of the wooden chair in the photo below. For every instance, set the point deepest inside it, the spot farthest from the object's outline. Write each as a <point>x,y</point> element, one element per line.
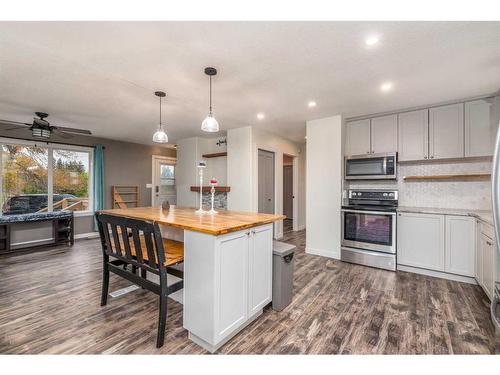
<point>139,244</point>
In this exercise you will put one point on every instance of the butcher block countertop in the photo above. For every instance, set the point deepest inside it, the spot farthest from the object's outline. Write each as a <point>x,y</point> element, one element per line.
<point>186,218</point>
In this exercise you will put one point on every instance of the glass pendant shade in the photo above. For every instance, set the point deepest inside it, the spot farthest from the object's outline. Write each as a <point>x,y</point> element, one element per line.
<point>160,136</point>
<point>210,124</point>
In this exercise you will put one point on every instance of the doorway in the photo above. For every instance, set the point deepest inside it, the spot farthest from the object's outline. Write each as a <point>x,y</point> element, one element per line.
<point>288,196</point>
<point>266,182</point>
<point>164,188</point>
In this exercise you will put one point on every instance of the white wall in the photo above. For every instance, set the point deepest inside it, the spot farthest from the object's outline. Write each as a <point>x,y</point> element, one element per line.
<point>189,151</point>
<point>185,171</point>
<point>239,169</point>
<point>324,186</point>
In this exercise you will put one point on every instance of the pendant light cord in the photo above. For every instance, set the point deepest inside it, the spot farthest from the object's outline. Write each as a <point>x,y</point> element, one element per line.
<point>210,78</point>
<point>160,111</point>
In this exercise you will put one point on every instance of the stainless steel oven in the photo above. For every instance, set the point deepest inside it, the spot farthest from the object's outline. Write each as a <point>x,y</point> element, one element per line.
<point>369,228</point>
<point>371,167</point>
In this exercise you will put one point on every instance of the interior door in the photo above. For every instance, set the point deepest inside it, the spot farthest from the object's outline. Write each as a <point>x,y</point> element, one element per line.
<point>164,188</point>
<point>266,182</point>
<point>288,191</point>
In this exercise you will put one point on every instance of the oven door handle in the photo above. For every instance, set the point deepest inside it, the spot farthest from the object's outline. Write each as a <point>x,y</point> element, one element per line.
<point>369,212</point>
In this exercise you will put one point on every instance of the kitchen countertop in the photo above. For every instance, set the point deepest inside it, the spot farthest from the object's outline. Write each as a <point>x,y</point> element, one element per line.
<point>186,218</point>
<point>483,215</point>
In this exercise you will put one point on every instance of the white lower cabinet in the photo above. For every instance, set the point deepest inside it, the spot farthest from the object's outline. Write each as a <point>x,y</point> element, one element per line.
<point>485,259</point>
<point>460,245</point>
<point>421,240</point>
<point>227,282</point>
<point>442,243</point>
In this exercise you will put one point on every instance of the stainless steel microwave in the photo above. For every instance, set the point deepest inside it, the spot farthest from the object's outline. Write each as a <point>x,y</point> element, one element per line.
<point>371,167</point>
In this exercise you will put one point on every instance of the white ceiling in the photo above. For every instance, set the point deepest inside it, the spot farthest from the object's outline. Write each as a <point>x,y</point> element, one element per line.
<point>101,75</point>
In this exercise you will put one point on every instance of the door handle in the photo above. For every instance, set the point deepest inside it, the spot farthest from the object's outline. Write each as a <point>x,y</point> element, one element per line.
<point>269,199</point>
<point>157,189</point>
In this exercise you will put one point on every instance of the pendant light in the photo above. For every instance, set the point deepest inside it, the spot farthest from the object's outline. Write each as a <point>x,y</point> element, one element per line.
<point>160,136</point>
<point>210,124</point>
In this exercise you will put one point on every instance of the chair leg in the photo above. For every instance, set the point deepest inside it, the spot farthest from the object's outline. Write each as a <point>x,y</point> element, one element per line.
<point>134,269</point>
<point>162,319</point>
<point>105,283</point>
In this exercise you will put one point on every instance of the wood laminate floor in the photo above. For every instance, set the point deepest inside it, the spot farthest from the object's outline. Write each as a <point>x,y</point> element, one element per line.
<point>49,303</point>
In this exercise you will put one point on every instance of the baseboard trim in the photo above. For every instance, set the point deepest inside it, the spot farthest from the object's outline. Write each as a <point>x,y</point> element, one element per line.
<point>86,236</point>
<point>300,227</point>
<point>322,252</point>
<point>441,275</point>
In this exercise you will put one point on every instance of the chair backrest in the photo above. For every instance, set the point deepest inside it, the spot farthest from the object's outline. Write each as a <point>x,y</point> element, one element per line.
<point>133,241</point>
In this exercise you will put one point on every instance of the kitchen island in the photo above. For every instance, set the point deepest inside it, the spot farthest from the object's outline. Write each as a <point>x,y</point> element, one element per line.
<point>227,268</point>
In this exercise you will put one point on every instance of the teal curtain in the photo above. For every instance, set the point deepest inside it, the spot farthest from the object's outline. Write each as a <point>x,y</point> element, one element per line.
<point>98,179</point>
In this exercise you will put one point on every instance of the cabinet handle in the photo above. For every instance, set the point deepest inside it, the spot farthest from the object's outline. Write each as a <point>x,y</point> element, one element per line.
<point>432,157</point>
<point>489,243</point>
<point>425,157</point>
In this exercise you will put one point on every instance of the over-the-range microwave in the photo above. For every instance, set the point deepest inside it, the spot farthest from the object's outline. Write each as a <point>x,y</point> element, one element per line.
<point>371,167</point>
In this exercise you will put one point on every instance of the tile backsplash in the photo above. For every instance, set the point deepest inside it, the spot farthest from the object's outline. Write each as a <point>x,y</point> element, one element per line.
<point>439,194</point>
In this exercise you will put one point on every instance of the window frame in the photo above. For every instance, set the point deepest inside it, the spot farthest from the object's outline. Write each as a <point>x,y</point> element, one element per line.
<point>50,170</point>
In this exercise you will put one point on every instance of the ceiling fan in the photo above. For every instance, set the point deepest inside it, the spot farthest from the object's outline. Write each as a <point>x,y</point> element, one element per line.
<point>41,128</point>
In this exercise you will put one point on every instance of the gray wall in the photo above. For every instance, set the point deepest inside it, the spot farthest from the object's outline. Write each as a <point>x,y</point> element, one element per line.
<point>124,164</point>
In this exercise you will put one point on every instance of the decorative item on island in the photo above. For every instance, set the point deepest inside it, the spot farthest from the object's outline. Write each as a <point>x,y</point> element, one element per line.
<point>213,183</point>
<point>201,165</point>
<point>165,205</point>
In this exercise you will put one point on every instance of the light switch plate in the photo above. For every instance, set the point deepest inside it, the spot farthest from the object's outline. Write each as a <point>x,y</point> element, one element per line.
<point>149,186</point>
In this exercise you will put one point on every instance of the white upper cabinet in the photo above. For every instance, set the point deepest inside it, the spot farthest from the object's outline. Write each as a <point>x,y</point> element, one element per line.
<point>384,134</point>
<point>446,132</point>
<point>358,137</point>
<point>413,135</point>
<point>460,245</point>
<point>479,130</point>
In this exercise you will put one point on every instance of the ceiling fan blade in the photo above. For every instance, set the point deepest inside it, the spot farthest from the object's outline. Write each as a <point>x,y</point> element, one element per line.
<point>9,122</point>
<point>14,128</point>
<point>73,130</point>
<point>61,134</point>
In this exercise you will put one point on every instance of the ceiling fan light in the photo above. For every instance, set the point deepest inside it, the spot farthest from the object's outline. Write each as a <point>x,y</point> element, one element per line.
<point>40,133</point>
<point>160,136</point>
<point>210,124</point>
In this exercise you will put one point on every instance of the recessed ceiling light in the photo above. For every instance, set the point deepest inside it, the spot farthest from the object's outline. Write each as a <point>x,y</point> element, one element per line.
<point>372,40</point>
<point>311,104</point>
<point>386,86</point>
<point>260,116</point>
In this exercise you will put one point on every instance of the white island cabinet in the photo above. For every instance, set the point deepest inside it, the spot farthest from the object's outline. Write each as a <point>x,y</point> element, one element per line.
<point>227,282</point>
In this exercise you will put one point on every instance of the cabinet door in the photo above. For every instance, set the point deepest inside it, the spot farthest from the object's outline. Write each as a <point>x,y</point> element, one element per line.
<point>479,255</point>
<point>413,135</point>
<point>260,268</point>
<point>488,254</point>
<point>479,133</point>
<point>460,245</point>
<point>446,132</point>
<point>421,240</point>
<point>231,283</point>
<point>358,137</point>
<point>384,134</point>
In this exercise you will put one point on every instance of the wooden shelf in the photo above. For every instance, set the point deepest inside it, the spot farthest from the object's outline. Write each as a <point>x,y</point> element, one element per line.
<point>215,155</point>
<point>206,189</point>
<point>450,177</point>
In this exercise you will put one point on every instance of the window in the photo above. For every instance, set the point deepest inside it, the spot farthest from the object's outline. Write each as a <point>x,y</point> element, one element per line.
<point>28,185</point>
<point>167,179</point>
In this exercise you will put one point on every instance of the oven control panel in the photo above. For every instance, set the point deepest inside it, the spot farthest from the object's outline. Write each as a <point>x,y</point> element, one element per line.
<point>389,195</point>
